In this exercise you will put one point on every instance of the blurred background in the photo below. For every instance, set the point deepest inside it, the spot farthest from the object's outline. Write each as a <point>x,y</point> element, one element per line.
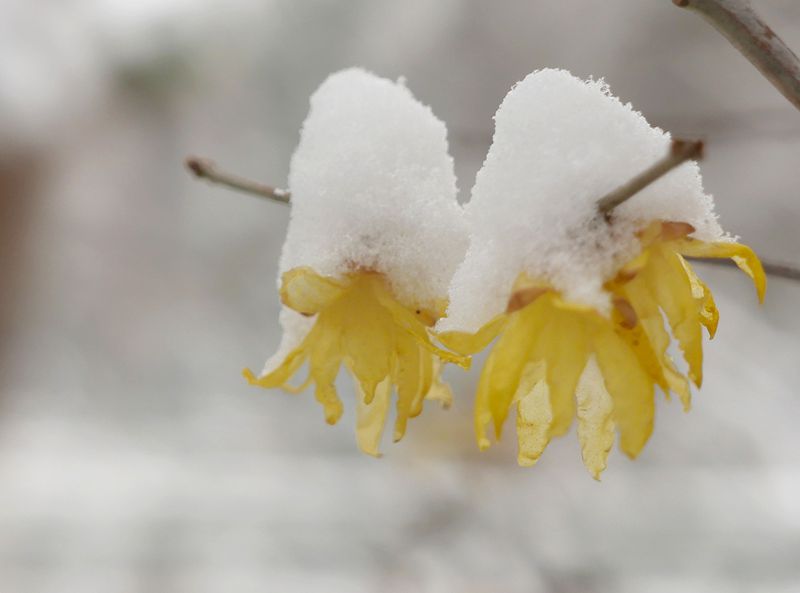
<point>133,457</point>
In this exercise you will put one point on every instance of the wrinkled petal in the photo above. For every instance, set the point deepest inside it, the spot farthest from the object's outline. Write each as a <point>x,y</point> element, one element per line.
<point>595,419</point>
<point>534,414</point>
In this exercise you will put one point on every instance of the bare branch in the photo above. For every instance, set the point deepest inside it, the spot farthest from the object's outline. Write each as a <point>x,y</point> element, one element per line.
<point>206,169</point>
<point>771,268</point>
<point>680,152</point>
<point>742,26</point>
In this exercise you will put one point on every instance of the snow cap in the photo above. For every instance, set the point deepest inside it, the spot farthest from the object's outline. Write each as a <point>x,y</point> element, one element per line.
<point>560,144</point>
<point>373,188</point>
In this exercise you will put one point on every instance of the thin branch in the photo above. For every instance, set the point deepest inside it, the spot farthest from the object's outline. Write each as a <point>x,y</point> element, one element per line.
<point>742,26</point>
<point>771,268</point>
<point>206,169</point>
<point>680,152</point>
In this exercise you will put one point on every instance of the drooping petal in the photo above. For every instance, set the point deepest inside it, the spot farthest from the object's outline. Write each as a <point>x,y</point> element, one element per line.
<point>371,418</point>
<point>512,352</point>
<point>408,378</point>
<point>366,336</point>
<point>438,390</point>
<point>630,388</point>
<point>709,315</point>
<point>669,284</point>
<point>325,359</point>
<point>651,322</point>
<point>744,257</point>
<point>281,374</point>
<point>595,419</point>
<point>562,344</point>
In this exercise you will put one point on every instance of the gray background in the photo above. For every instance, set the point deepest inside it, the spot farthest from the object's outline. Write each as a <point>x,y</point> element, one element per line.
<point>133,458</point>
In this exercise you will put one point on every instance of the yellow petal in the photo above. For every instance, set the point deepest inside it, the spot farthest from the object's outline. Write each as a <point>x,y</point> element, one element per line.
<point>562,343</point>
<point>511,353</point>
<point>483,414</point>
<point>651,322</point>
<point>437,389</point>
<point>669,284</point>
<point>709,315</point>
<point>408,380</point>
<point>371,418</point>
<point>595,419</point>
<point>630,388</point>
<point>534,414</point>
<point>367,336</point>
<point>742,255</point>
<point>466,343</point>
<point>325,358</point>
<point>408,321</point>
<point>305,291</point>
<point>280,375</point>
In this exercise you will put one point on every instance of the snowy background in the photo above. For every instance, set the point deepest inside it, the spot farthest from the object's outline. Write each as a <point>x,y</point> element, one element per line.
<point>133,457</point>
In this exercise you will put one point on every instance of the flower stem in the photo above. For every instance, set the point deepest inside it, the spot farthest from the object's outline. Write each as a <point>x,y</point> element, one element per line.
<point>206,169</point>
<point>680,152</point>
<point>746,31</point>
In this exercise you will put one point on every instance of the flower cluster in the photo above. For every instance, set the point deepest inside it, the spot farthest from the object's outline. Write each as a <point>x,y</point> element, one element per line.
<point>383,271</point>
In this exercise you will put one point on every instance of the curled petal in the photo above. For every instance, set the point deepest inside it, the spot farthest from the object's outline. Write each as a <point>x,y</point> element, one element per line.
<point>308,293</point>
<point>744,257</point>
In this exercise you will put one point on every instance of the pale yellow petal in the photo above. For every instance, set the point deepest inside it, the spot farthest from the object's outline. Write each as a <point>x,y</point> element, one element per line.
<point>595,419</point>
<point>466,343</point>
<point>308,293</point>
<point>281,374</point>
<point>324,361</point>
<point>438,389</point>
<point>371,418</point>
<point>534,414</point>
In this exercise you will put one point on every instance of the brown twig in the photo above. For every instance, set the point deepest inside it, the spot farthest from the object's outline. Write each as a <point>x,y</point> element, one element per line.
<point>206,169</point>
<point>680,152</point>
<point>771,268</point>
<point>742,26</point>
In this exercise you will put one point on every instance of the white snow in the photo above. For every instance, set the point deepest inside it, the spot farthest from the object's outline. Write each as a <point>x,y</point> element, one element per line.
<point>373,187</point>
<point>560,144</point>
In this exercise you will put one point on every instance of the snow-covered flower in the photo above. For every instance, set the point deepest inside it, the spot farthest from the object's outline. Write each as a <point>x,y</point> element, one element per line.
<point>576,301</point>
<point>375,235</point>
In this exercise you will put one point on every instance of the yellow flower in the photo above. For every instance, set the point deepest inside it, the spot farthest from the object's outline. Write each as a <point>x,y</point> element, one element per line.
<point>382,343</point>
<point>555,360</point>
